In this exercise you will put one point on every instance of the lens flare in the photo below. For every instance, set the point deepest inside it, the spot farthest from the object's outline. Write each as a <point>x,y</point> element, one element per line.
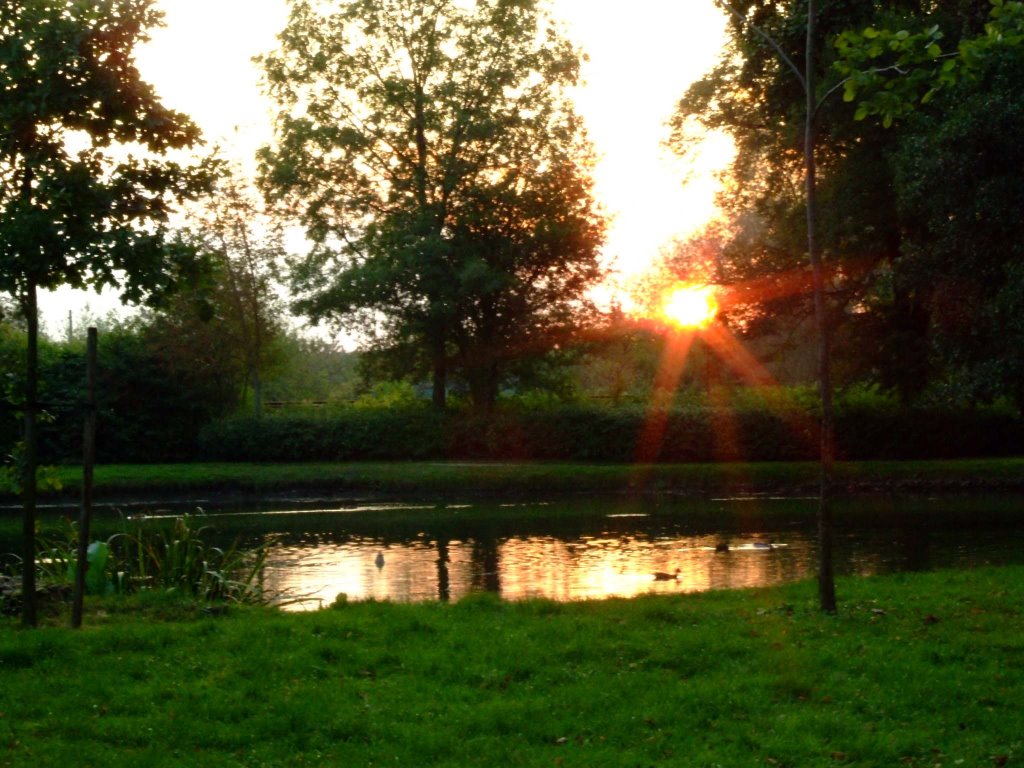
<point>691,306</point>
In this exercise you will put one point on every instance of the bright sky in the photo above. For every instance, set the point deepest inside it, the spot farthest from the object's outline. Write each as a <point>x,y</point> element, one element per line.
<point>643,54</point>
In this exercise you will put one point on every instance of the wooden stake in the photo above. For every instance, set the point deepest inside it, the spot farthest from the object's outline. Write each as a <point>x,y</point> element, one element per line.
<point>88,462</point>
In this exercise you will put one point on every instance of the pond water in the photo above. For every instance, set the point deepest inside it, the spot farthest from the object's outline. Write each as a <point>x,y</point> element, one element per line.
<point>595,548</point>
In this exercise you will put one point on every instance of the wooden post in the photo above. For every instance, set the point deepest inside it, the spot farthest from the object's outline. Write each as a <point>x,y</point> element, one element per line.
<point>31,459</point>
<point>88,462</point>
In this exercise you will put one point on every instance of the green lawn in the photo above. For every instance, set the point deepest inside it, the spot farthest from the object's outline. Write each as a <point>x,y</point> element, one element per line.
<point>917,670</point>
<point>530,478</point>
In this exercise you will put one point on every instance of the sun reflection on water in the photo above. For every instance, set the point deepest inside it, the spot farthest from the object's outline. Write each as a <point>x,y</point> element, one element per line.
<point>589,567</point>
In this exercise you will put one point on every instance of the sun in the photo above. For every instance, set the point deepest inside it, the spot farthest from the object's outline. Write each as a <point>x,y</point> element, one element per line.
<point>690,306</point>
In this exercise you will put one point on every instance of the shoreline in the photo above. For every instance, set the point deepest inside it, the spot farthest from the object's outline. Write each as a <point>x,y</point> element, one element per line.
<point>243,482</point>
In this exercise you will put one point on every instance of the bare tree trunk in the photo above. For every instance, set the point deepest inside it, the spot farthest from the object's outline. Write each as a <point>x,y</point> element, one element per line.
<point>30,460</point>
<point>826,575</point>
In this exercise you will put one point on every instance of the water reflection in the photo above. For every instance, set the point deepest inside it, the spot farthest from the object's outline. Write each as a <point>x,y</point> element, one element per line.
<point>528,553</point>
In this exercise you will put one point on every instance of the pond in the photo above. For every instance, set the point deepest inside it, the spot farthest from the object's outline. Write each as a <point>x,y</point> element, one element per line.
<point>582,548</point>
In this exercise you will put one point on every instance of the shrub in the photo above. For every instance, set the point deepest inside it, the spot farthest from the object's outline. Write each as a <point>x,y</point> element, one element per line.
<point>575,432</point>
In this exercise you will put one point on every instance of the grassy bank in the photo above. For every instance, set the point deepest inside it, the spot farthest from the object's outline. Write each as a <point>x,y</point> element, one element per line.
<point>915,670</point>
<point>525,478</point>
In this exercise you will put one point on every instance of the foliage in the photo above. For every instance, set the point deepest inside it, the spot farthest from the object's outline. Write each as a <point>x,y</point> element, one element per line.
<point>433,156</point>
<point>957,192</point>
<point>234,321</point>
<point>312,369</point>
<point>891,73</point>
<point>389,394</point>
<point>759,253</point>
<point>149,555</point>
<point>77,217</point>
<point>149,409</point>
<point>364,433</point>
<point>883,192</point>
<point>773,427</point>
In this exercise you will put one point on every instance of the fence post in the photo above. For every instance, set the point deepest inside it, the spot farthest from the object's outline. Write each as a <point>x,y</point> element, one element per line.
<point>88,462</point>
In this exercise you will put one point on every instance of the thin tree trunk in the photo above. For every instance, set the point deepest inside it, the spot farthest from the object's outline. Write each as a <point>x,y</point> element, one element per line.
<point>826,575</point>
<point>28,478</point>
<point>257,394</point>
<point>88,463</point>
<point>439,394</point>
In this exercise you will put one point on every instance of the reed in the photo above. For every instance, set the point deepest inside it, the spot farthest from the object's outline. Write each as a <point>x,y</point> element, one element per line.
<point>172,558</point>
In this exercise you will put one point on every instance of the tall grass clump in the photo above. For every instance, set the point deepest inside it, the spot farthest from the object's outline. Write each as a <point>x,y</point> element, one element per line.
<point>179,560</point>
<point>175,558</point>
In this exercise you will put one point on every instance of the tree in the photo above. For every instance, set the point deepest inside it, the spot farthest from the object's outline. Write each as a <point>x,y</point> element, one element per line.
<point>957,180</point>
<point>93,216</point>
<point>431,152</point>
<point>877,315</point>
<point>241,305</point>
<point>772,39</point>
<point>798,145</point>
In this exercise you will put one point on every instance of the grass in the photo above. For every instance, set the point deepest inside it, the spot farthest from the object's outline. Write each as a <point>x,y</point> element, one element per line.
<point>530,478</point>
<point>917,670</point>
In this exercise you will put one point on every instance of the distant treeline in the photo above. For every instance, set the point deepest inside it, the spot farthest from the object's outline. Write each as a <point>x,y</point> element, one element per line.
<point>153,408</point>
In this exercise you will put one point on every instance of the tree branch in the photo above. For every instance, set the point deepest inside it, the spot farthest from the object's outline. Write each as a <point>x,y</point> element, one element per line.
<point>768,39</point>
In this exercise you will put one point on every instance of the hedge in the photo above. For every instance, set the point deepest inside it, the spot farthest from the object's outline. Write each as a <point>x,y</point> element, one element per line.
<point>596,434</point>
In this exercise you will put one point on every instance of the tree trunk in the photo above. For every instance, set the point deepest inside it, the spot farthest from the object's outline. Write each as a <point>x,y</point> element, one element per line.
<point>440,387</point>
<point>28,477</point>
<point>257,394</point>
<point>826,574</point>
<point>483,387</point>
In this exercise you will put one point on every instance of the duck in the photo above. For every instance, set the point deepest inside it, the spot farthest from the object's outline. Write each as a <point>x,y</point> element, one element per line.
<point>721,547</point>
<point>662,576</point>
<point>379,560</point>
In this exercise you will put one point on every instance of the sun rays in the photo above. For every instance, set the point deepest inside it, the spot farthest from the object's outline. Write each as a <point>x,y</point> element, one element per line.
<point>688,317</point>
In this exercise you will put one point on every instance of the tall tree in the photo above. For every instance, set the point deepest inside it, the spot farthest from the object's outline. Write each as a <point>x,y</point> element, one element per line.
<point>780,54</point>
<point>773,92</point>
<point>432,154</point>
<point>243,307</point>
<point>78,205</point>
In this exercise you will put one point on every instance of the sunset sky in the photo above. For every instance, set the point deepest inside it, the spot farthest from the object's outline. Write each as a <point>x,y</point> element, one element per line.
<point>642,56</point>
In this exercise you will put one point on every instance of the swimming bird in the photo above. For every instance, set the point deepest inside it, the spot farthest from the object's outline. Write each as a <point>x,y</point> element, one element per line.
<point>379,560</point>
<point>762,545</point>
<point>662,576</point>
<point>721,547</point>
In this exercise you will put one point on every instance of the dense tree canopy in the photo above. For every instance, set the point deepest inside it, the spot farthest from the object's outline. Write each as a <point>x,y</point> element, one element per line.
<point>873,186</point>
<point>958,184</point>
<point>432,154</point>
<point>76,209</point>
